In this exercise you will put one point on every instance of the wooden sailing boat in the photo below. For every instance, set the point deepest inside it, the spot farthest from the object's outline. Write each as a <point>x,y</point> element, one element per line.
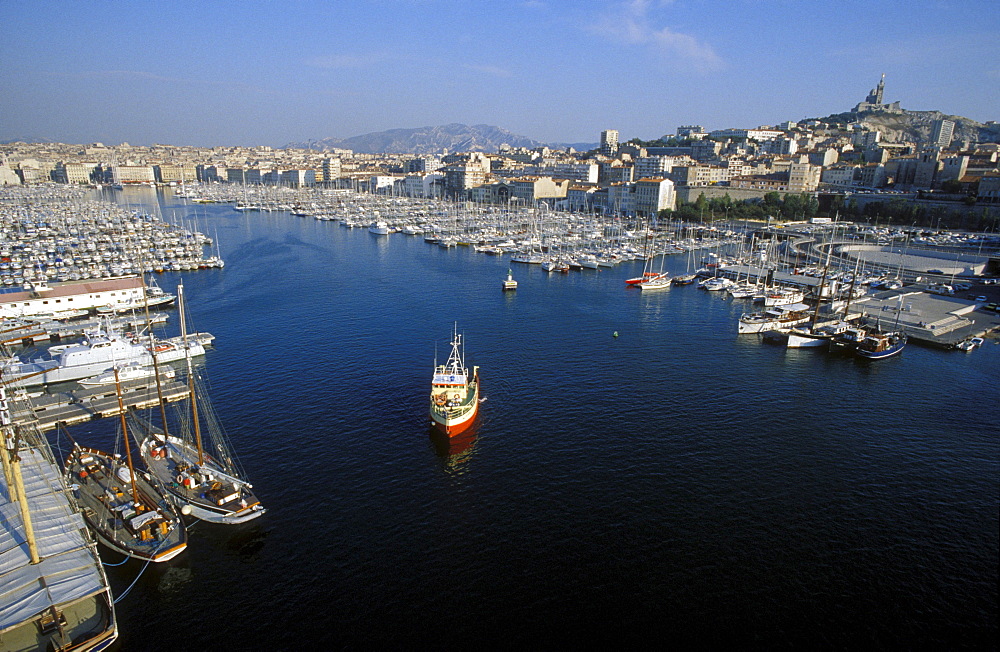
<point>124,508</point>
<point>195,462</point>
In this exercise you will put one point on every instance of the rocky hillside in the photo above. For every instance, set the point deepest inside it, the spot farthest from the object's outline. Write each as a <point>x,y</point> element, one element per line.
<point>917,126</point>
<point>425,140</point>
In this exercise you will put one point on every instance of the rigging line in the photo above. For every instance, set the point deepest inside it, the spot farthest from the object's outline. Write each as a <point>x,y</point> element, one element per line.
<point>148,562</point>
<point>122,596</point>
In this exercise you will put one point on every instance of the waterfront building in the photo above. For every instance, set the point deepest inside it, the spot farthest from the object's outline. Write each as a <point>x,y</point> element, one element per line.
<point>133,174</point>
<point>422,186</point>
<point>621,199</point>
<point>531,190</point>
<point>75,173</point>
<point>176,172</point>
<point>250,176</point>
<point>272,177</point>
<point>32,171</point>
<point>383,184</point>
<point>465,174</point>
<point>211,173</point>
<point>654,195</point>
<point>580,197</point>
<point>299,178</point>
<point>332,169</point>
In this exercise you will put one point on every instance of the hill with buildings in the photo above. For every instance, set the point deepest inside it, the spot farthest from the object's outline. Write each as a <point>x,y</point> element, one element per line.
<point>425,140</point>
<point>917,126</point>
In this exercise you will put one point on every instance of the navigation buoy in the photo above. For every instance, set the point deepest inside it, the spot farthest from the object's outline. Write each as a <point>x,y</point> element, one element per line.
<point>615,334</point>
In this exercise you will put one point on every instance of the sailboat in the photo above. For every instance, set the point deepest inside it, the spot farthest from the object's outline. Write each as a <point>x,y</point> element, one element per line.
<point>660,280</point>
<point>123,508</point>
<point>454,399</point>
<point>194,462</point>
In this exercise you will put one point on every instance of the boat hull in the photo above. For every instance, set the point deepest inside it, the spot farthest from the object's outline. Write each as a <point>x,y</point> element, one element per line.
<point>455,419</point>
<point>104,495</point>
<point>172,455</point>
<point>453,427</point>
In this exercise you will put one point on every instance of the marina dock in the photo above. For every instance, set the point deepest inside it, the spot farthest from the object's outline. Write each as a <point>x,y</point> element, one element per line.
<point>82,405</point>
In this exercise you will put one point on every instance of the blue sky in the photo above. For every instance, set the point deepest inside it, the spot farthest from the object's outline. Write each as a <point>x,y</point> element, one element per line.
<point>269,73</point>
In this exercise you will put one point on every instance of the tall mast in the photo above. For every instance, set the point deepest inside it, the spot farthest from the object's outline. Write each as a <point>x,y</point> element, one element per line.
<point>128,446</point>
<point>12,469</point>
<point>190,374</point>
<point>156,368</point>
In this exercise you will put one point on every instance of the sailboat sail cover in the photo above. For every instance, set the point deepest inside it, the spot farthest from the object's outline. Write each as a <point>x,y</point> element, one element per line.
<point>68,569</point>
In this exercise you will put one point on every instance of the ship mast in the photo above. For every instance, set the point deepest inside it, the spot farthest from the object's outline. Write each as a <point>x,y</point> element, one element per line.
<point>156,368</point>
<point>190,374</point>
<point>128,447</point>
<point>12,469</point>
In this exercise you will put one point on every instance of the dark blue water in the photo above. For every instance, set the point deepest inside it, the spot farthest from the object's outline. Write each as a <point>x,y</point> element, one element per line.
<point>676,484</point>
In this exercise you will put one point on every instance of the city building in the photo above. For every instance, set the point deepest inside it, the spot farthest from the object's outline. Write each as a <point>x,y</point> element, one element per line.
<point>944,131</point>
<point>609,142</point>
<point>654,195</point>
<point>133,174</point>
<point>298,178</point>
<point>803,177</point>
<point>464,174</point>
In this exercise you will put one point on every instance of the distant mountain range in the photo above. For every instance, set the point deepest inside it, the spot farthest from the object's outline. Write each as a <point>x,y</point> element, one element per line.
<point>454,137</point>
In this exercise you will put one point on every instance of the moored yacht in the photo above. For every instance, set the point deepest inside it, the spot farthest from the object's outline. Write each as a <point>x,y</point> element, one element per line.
<point>775,318</point>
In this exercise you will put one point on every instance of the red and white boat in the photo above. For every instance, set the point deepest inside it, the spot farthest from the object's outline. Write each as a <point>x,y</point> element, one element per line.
<point>454,399</point>
<point>646,276</point>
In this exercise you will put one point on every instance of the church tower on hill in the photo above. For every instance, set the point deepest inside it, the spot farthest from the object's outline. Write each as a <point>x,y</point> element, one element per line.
<point>874,101</point>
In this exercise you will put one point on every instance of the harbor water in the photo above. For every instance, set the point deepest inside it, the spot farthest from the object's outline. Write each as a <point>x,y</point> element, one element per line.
<point>674,483</point>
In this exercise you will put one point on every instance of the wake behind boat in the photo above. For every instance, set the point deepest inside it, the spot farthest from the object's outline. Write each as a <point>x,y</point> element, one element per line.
<point>454,399</point>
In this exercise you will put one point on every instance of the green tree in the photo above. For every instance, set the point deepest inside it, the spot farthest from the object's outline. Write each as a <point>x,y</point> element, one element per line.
<point>772,200</point>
